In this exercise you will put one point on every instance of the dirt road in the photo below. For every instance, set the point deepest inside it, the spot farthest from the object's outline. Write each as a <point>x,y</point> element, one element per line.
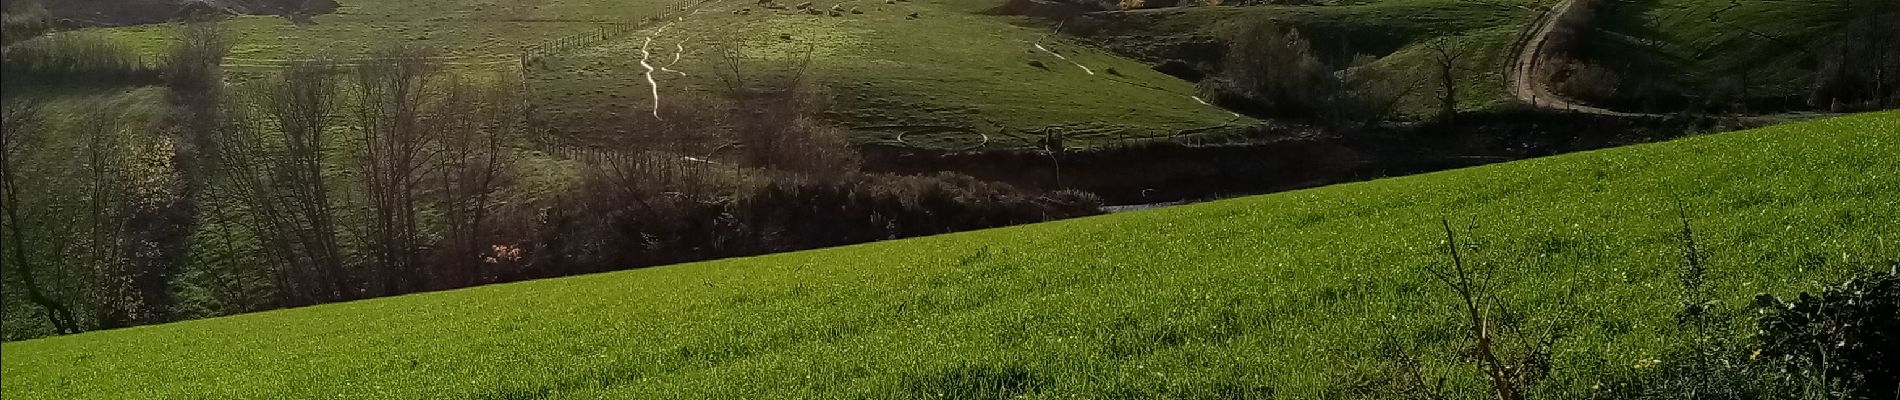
<point>1533,55</point>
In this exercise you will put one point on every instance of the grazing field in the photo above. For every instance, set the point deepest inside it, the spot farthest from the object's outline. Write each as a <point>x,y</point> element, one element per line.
<point>948,79</point>
<point>1394,32</point>
<point>1294,295</point>
<point>458,28</point>
<point>940,75</point>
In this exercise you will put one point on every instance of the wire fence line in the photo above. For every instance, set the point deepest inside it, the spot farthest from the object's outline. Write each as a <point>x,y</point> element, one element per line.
<point>556,47</point>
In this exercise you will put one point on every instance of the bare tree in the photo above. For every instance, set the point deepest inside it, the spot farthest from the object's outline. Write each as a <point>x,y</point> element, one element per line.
<point>21,120</point>
<point>303,106</point>
<point>778,122</point>
<point>475,119</point>
<point>1372,95</point>
<point>1447,54</point>
<point>1862,65</point>
<point>122,292</point>
<point>395,143</point>
<point>274,158</point>
<point>1512,358</point>
<point>66,215</point>
<point>1271,71</point>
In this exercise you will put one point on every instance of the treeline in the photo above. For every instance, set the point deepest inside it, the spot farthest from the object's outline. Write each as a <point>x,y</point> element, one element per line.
<point>1860,65</point>
<point>333,182</point>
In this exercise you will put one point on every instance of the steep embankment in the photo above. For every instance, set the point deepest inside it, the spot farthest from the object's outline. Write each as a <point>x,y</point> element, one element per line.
<point>1296,294</point>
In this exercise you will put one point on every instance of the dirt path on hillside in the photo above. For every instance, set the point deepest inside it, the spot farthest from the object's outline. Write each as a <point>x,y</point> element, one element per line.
<point>1531,59</point>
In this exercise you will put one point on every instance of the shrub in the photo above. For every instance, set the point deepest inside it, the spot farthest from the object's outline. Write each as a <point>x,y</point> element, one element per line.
<point>1849,334</point>
<point>75,58</point>
<point>798,214</point>
<point>1835,345</point>
<point>1271,71</point>
<point>20,21</point>
<point>777,119</point>
<point>1587,81</point>
<point>1180,69</point>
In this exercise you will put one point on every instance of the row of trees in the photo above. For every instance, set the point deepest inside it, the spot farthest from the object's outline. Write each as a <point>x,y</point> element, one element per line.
<point>1860,66</point>
<point>336,181</point>
<point>420,157</point>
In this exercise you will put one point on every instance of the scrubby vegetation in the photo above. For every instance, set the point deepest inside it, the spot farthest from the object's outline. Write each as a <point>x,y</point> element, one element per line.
<point>76,59</point>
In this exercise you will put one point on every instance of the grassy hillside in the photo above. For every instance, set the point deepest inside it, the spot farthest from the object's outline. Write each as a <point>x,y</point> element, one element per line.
<point>1295,294</point>
<point>1696,44</point>
<point>1394,31</point>
<point>948,78</point>
<point>461,28</point>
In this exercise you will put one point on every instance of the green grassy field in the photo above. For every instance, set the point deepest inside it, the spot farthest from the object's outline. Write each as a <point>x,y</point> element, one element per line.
<point>943,80</point>
<point>947,79</point>
<point>1698,43</point>
<point>1294,293</point>
<point>459,28</point>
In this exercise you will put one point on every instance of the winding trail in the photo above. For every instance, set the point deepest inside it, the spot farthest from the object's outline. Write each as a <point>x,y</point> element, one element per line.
<point>679,49</point>
<point>1060,57</point>
<point>655,86</point>
<point>1038,45</point>
<point>1533,53</point>
<point>1531,61</point>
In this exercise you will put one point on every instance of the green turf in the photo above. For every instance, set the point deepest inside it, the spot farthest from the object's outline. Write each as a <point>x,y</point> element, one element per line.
<point>1291,292</point>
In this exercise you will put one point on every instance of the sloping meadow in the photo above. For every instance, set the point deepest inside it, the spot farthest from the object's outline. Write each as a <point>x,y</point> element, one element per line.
<point>1293,295</point>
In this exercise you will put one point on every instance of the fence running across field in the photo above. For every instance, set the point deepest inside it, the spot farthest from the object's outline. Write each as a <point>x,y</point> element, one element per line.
<point>531,54</point>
